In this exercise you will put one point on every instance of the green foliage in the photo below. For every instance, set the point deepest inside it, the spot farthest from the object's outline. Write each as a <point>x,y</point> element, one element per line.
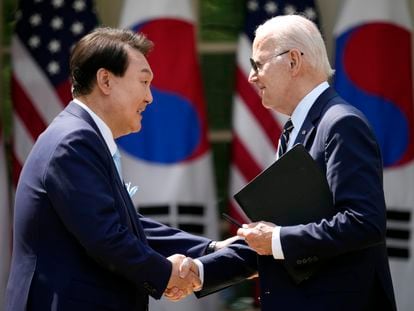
<point>218,74</point>
<point>9,7</point>
<point>5,103</point>
<point>220,20</point>
<point>9,10</point>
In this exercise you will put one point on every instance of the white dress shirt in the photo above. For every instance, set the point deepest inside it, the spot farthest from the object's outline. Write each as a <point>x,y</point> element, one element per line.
<point>103,128</point>
<point>298,117</point>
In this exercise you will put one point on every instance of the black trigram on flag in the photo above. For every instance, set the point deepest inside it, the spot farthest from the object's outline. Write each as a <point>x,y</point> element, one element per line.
<point>399,233</point>
<point>184,216</point>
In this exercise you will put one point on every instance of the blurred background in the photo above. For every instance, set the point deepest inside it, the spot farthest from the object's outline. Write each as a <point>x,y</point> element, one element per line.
<point>203,48</point>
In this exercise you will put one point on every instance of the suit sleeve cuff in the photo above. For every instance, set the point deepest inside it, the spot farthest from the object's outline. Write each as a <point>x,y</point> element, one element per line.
<point>276,244</point>
<point>200,271</point>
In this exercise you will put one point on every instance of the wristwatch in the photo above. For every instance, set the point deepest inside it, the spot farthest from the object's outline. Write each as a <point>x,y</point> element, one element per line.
<point>211,248</point>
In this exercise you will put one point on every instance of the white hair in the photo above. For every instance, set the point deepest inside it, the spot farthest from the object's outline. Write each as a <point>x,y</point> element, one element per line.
<point>295,31</point>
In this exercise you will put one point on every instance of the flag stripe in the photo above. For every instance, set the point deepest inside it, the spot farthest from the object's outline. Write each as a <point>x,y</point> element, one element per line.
<point>63,91</point>
<point>243,160</point>
<point>16,169</point>
<point>244,52</point>
<point>23,143</point>
<point>27,112</point>
<point>254,103</point>
<point>36,85</point>
<point>261,148</point>
<point>25,140</point>
<point>238,181</point>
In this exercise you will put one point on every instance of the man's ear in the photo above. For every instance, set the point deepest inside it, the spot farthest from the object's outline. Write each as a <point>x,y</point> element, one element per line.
<point>295,60</point>
<point>103,80</point>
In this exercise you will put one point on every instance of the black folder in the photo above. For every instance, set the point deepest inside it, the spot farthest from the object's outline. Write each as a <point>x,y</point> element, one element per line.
<point>291,191</point>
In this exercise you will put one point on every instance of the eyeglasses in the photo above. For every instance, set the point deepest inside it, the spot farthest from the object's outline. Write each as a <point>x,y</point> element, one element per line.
<point>258,66</point>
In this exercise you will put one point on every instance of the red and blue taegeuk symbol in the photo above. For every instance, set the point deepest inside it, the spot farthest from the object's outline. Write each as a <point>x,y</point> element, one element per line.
<point>373,72</point>
<point>174,125</point>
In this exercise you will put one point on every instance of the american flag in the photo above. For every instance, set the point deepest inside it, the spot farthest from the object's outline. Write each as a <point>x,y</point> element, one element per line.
<point>256,130</point>
<point>44,35</point>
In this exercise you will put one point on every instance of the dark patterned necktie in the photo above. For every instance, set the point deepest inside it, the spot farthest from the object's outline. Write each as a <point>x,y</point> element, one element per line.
<point>284,138</point>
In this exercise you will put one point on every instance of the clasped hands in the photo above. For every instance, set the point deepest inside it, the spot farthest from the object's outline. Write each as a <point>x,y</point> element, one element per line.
<point>184,278</point>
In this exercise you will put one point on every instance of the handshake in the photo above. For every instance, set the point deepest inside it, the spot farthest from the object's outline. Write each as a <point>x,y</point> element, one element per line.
<point>184,278</point>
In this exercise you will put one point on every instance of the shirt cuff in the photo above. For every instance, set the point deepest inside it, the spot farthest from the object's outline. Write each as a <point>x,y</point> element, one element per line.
<point>276,244</point>
<point>200,271</point>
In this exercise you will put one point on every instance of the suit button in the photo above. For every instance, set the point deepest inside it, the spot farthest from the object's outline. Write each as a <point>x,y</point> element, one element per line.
<point>149,288</point>
<point>298,262</point>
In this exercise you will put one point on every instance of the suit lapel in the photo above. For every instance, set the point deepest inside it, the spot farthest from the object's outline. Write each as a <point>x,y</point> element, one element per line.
<point>130,208</point>
<point>310,122</point>
<point>78,111</point>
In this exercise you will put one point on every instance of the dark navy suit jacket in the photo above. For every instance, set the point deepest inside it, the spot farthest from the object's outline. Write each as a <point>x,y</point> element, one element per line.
<point>78,242</point>
<point>350,247</point>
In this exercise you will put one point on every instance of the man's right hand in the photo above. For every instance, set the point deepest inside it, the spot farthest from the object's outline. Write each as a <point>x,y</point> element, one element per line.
<point>184,278</point>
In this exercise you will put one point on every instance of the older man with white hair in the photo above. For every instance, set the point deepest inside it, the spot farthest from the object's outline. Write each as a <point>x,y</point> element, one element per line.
<point>290,69</point>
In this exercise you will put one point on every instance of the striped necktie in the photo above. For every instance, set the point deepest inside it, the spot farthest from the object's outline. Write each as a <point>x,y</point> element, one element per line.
<point>284,138</point>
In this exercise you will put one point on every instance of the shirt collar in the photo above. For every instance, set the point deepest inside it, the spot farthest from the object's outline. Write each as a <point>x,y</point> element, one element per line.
<point>103,128</point>
<point>302,109</point>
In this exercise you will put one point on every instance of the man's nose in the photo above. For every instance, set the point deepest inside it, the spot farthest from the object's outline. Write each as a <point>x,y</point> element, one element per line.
<point>149,97</point>
<point>252,76</point>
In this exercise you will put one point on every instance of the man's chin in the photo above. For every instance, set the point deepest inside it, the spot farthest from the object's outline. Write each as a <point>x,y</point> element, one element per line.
<point>133,130</point>
<point>266,105</point>
<point>138,128</point>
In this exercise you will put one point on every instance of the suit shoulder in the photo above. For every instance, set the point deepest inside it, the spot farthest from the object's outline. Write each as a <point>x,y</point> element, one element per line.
<point>340,118</point>
<point>340,111</point>
<point>66,127</point>
<point>64,133</point>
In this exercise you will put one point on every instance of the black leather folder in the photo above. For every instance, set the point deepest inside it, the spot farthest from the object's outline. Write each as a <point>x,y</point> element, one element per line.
<point>291,191</point>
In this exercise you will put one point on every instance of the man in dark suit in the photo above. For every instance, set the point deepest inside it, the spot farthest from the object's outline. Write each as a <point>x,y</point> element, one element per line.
<point>290,71</point>
<point>78,242</point>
